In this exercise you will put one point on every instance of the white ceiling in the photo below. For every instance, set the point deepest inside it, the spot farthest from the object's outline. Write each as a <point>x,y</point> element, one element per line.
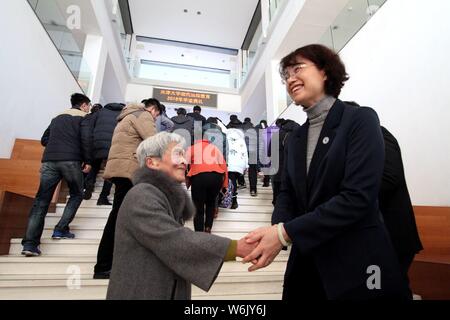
<point>222,23</point>
<point>185,56</point>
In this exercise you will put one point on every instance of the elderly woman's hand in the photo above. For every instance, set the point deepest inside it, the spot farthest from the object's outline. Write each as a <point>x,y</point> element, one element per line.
<point>268,248</point>
<point>244,248</point>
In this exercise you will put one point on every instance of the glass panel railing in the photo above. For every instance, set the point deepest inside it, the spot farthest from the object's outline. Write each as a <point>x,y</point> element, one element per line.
<point>354,16</point>
<point>274,5</point>
<point>120,28</point>
<point>161,71</point>
<point>249,56</point>
<point>68,42</point>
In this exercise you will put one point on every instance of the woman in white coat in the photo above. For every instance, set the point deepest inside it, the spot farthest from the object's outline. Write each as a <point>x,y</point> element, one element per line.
<point>237,159</point>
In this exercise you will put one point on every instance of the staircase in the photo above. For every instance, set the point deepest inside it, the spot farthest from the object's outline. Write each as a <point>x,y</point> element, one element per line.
<point>65,269</point>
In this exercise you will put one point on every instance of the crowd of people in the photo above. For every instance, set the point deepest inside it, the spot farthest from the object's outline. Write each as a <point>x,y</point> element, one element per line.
<point>340,196</point>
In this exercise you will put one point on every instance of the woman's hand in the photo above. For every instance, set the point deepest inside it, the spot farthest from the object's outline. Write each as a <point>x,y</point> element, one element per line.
<point>268,248</point>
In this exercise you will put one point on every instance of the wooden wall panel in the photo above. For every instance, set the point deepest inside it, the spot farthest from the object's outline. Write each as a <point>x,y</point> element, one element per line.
<point>14,210</point>
<point>433,224</point>
<point>27,150</point>
<point>430,272</point>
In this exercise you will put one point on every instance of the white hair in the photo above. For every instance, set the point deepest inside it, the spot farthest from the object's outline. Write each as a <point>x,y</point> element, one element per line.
<point>156,146</point>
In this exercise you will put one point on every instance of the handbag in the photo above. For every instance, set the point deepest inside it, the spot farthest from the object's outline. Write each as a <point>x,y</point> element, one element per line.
<point>227,197</point>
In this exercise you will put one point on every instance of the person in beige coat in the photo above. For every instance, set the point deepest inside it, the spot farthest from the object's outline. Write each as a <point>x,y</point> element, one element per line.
<point>135,124</point>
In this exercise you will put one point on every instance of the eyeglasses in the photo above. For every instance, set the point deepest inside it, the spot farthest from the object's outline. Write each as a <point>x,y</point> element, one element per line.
<point>293,71</point>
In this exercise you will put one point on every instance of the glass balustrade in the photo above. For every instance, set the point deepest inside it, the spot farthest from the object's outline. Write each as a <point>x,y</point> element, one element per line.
<point>354,16</point>
<point>69,43</point>
<point>186,74</point>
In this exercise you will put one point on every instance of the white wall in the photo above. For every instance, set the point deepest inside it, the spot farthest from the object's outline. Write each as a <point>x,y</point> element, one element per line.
<point>35,83</point>
<point>398,64</point>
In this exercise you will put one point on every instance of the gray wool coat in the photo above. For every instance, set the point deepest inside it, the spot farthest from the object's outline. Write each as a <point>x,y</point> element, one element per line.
<point>155,256</point>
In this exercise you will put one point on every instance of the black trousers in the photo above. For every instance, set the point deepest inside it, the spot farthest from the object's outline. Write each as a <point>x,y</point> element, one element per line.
<point>241,180</point>
<point>234,176</point>
<point>92,176</point>
<point>253,177</point>
<point>266,181</point>
<point>276,185</point>
<point>405,261</point>
<point>106,247</point>
<point>205,191</point>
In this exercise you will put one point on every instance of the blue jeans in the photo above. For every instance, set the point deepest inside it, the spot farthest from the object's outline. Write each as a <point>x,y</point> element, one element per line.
<point>51,174</point>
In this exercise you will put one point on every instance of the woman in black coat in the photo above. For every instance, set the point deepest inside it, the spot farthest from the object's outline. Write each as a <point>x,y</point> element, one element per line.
<point>328,203</point>
<point>102,125</point>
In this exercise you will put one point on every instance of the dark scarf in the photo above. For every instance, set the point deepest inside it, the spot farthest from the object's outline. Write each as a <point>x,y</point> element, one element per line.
<point>179,200</point>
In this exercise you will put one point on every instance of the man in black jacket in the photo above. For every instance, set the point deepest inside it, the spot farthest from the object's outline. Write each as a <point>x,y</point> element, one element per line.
<point>395,204</point>
<point>67,156</point>
<point>183,122</point>
<point>286,128</point>
<point>197,115</point>
<point>102,125</point>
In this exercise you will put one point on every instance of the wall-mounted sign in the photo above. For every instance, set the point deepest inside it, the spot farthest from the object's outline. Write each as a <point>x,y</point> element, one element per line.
<point>185,97</point>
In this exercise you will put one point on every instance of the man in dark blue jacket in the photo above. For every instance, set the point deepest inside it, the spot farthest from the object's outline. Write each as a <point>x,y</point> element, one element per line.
<point>67,156</point>
<point>102,124</point>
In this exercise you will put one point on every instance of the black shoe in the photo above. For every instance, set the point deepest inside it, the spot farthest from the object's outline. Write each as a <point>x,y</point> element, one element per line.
<point>266,185</point>
<point>102,275</point>
<point>103,201</point>
<point>234,205</point>
<point>87,194</point>
<point>253,193</point>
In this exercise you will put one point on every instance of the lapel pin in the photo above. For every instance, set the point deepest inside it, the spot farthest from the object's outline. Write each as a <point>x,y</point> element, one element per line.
<point>326,140</point>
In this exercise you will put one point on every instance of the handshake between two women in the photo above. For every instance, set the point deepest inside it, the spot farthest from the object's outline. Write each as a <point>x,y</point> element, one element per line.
<point>261,246</point>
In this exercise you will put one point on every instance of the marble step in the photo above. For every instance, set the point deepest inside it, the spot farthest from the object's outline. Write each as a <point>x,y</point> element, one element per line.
<point>224,220</point>
<point>16,265</point>
<point>58,287</point>
<point>81,246</point>
<point>92,208</point>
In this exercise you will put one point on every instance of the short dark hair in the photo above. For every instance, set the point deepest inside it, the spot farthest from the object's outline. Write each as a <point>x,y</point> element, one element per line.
<point>325,59</point>
<point>247,120</point>
<point>96,107</point>
<point>211,120</point>
<point>181,111</point>
<point>77,99</point>
<point>153,102</point>
<point>197,108</point>
<point>233,117</point>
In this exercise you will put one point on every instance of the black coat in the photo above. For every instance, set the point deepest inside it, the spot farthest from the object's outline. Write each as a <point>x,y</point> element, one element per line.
<point>67,138</point>
<point>197,117</point>
<point>286,128</point>
<point>103,124</point>
<point>332,214</point>
<point>395,203</point>
<point>234,124</point>
<point>185,123</point>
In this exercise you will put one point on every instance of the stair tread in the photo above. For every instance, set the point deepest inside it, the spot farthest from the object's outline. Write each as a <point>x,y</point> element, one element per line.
<point>222,275</point>
<point>52,282</point>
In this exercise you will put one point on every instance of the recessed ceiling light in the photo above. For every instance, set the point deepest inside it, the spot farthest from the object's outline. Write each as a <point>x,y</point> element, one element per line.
<point>182,55</point>
<point>185,10</point>
<point>199,12</point>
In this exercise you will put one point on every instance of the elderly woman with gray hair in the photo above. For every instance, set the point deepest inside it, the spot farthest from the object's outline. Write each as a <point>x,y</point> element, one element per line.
<point>155,256</point>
